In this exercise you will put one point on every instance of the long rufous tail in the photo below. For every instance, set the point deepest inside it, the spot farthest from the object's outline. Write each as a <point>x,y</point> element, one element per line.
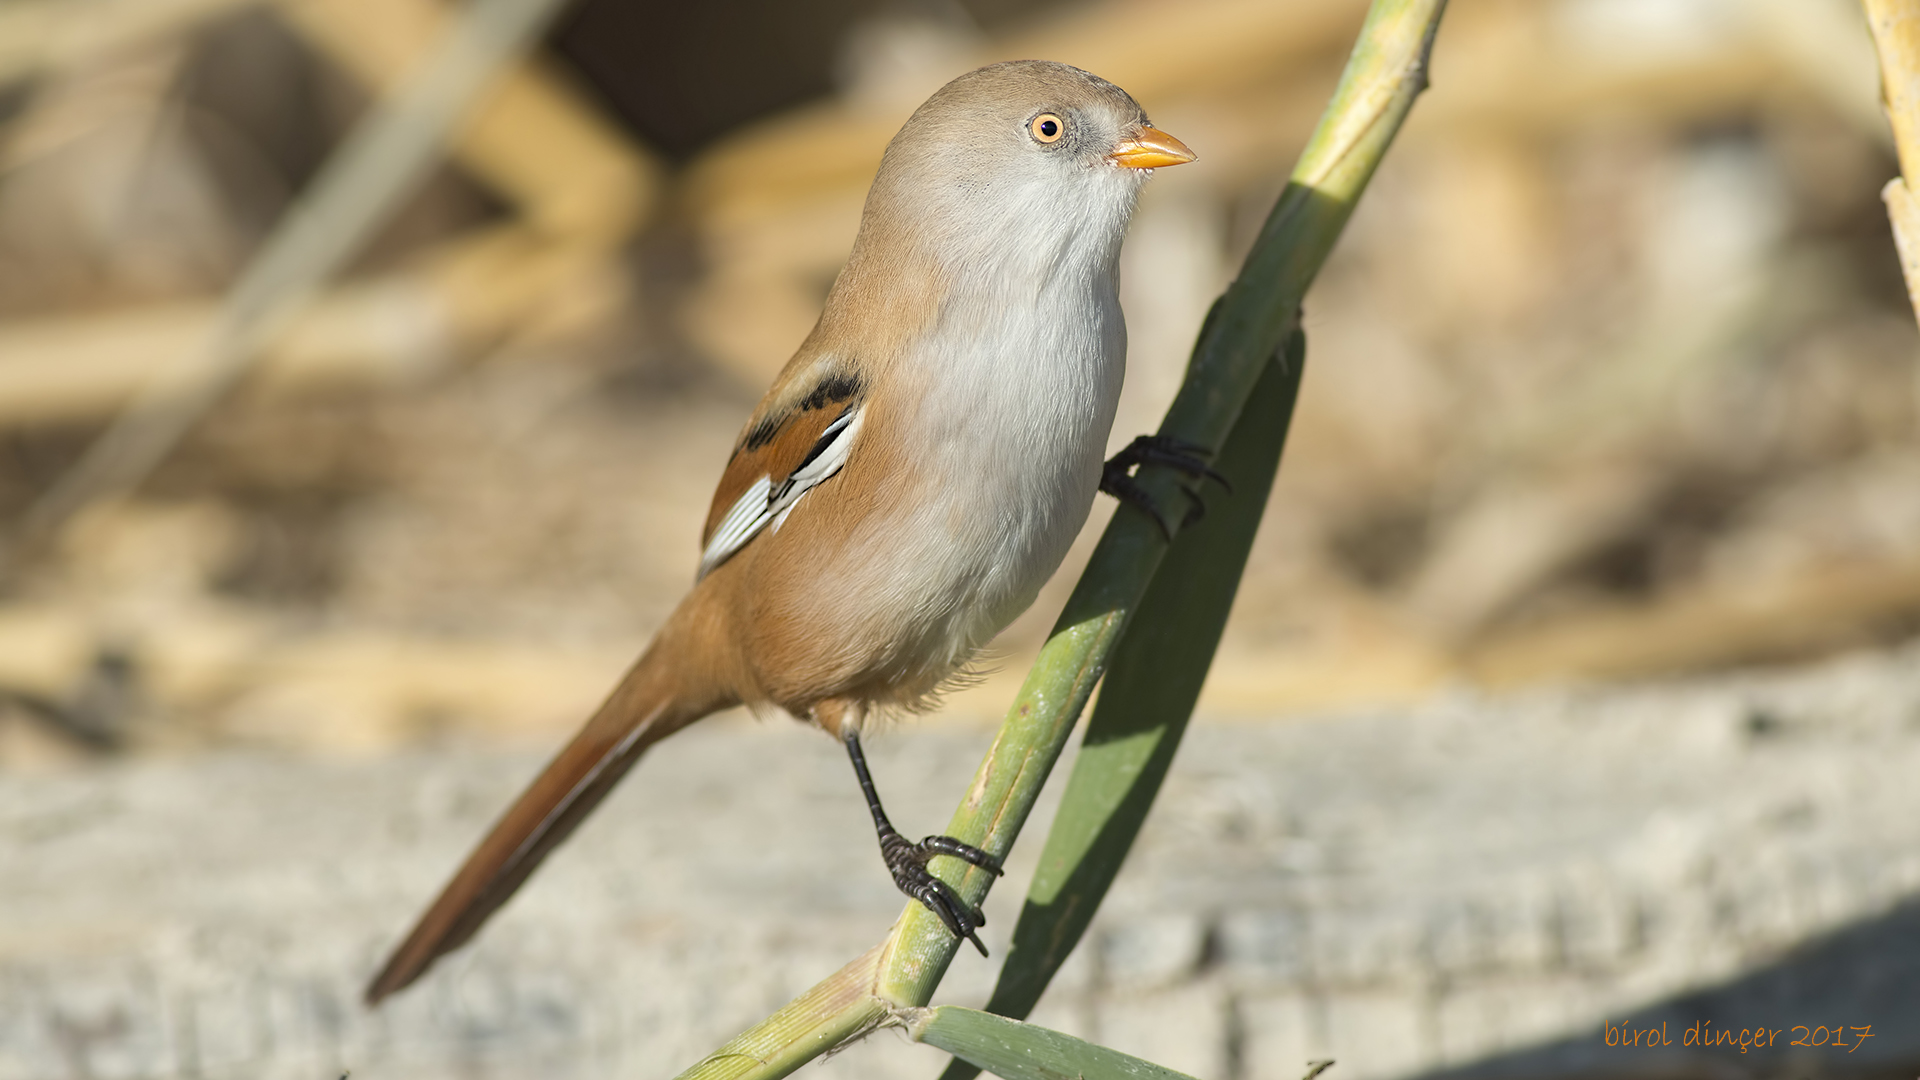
<point>652,701</point>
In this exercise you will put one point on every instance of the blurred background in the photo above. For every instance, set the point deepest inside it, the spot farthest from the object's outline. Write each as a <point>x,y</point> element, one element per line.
<point>1612,377</point>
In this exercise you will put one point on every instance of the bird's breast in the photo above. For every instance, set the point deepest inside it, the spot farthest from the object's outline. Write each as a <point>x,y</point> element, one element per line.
<point>1016,403</point>
<point>977,462</point>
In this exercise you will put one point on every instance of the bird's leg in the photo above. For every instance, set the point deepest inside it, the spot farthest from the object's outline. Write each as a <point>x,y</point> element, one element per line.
<point>1118,481</point>
<point>907,861</point>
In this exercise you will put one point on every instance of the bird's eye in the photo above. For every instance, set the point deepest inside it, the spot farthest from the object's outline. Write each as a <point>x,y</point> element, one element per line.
<point>1047,127</point>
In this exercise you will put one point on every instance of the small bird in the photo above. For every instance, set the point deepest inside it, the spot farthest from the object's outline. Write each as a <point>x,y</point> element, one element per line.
<point>914,475</point>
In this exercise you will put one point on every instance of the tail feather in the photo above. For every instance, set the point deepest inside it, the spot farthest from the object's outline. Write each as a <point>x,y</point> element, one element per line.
<point>641,711</point>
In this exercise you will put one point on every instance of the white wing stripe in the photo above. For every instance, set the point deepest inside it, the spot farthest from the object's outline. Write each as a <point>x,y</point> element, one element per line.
<point>749,507</point>
<point>830,453</point>
<point>746,517</point>
<point>761,504</point>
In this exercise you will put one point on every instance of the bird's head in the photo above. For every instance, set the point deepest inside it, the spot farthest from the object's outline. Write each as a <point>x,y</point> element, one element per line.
<point>1025,158</point>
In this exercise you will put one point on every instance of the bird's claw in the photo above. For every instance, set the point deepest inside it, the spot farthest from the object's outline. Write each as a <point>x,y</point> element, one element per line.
<point>1189,458</point>
<point>908,864</point>
<point>1117,478</point>
<point>947,845</point>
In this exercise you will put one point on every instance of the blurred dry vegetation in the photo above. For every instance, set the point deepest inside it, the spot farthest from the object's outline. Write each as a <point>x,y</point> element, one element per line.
<point>1614,374</point>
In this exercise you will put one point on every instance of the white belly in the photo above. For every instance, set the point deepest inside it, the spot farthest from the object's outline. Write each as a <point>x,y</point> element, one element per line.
<point>1016,421</point>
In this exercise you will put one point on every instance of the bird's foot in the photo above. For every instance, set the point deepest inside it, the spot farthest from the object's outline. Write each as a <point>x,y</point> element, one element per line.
<point>908,863</point>
<point>1117,479</point>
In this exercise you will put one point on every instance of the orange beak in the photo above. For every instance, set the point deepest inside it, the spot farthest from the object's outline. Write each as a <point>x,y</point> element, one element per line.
<point>1150,148</point>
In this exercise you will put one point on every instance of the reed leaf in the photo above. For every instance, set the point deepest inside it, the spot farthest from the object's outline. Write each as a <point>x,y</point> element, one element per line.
<point>1012,1050</point>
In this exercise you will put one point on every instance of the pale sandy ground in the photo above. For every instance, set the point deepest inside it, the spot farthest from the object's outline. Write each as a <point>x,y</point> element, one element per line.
<point>1404,890</point>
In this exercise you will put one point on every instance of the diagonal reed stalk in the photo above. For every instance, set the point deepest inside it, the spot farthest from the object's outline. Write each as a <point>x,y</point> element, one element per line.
<point>1149,693</point>
<point>1237,344</point>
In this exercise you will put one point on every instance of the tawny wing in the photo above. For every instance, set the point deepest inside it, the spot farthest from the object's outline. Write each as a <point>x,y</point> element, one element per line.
<point>788,448</point>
